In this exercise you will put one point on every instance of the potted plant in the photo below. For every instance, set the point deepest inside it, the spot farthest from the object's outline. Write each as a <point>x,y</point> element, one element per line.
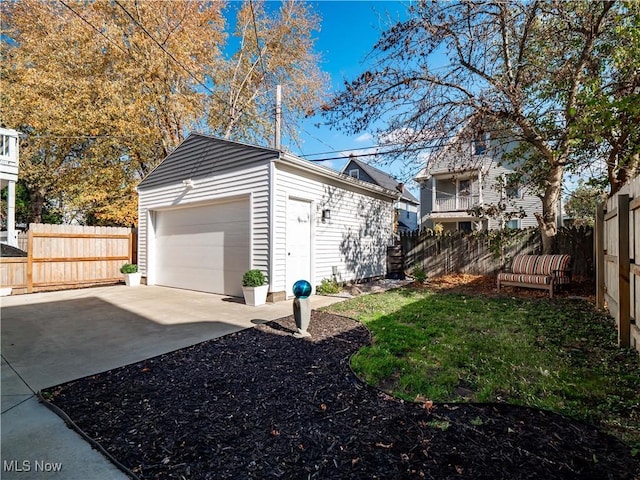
<point>254,288</point>
<point>131,274</point>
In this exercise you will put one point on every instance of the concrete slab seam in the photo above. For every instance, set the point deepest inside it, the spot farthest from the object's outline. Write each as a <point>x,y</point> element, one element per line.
<point>17,374</point>
<point>17,404</point>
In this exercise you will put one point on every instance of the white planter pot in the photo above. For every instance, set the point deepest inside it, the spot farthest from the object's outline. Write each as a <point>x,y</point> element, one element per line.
<point>255,296</point>
<point>5,291</point>
<point>132,279</point>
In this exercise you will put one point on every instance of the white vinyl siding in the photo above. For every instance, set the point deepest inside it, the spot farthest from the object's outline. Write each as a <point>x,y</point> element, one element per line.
<point>245,180</point>
<point>493,193</point>
<point>205,172</point>
<point>354,240</point>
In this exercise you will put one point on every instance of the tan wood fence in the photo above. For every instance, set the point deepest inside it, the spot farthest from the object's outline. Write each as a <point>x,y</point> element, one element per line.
<point>68,256</point>
<point>617,246</point>
<point>486,253</point>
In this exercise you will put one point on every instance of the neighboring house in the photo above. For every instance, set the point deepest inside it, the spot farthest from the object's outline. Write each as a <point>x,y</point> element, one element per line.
<point>214,209</point>
<point>467,174</point>
<point>9,155</point>
<point>407,206</point>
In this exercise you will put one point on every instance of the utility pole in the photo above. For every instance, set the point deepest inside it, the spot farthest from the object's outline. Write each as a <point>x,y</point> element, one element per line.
<point>278,116</point>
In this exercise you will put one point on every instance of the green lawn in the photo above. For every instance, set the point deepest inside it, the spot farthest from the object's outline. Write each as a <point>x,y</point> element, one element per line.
<point>558,355</point>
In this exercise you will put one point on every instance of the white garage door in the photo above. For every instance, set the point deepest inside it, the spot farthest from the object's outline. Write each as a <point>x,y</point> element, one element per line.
<point>204,248</point>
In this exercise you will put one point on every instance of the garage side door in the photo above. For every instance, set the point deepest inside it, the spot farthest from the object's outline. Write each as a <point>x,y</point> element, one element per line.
<point>204,248</point>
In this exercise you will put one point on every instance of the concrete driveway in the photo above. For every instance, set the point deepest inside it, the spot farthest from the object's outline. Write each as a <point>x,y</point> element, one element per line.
<point>54,337</point>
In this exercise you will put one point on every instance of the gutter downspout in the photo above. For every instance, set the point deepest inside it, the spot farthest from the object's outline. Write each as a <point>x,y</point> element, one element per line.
<point>273,179</point>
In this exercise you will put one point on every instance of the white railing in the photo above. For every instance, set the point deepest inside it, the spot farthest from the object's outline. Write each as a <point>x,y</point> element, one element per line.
<point>12,162</point>
<point>457,203</point>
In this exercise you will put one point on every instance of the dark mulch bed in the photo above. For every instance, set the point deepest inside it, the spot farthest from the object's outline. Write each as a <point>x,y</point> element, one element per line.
<point>262,404</point>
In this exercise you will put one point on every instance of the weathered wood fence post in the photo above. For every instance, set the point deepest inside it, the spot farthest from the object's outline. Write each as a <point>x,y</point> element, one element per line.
<point>624,295</point>
<point>598,254</point>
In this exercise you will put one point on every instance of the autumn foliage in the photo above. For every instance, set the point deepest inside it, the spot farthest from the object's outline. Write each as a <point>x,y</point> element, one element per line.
<point>104,90</point>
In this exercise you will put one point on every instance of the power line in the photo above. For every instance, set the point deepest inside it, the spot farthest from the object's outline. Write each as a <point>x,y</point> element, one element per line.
<point>255,30</point>
<point>94,27</point>
<point>388,152</point>
<point>436,145</point>
<point>290,128</point>
<point>319,140</point>
<point>144,30</point>
<point>174,59</point>
<point>78,137</point>
<point>106,37</point>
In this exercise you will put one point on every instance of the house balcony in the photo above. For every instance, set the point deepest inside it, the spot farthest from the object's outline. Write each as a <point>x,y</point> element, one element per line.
<point>457,203</point>
<point>8,170</point>
<point>8,156</point>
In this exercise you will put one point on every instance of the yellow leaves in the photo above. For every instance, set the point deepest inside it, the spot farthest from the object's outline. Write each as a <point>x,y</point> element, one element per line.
<point>286,51</point>
<point>69,83</point>
<point>135,74</point>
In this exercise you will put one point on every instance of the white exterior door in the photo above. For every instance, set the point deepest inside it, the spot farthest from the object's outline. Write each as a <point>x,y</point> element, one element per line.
<point>205,248</point>
<point>298,243</point>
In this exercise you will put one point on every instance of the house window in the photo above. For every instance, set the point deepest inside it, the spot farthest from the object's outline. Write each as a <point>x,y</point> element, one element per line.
<point>464,187</point>
<point>512,188</point>
<point>480,145</point>
<point>464,226</point>
<point>355,173</point>
<point>513,191</point>
<point>513,224</point>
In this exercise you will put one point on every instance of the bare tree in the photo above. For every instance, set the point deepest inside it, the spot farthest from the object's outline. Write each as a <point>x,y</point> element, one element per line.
<point>524,67</point>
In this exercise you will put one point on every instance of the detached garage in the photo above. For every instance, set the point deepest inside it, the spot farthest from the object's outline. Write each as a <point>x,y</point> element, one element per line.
<point>214,209</point>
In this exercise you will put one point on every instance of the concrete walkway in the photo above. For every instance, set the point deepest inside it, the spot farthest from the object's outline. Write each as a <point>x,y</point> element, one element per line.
<point>54,337</point>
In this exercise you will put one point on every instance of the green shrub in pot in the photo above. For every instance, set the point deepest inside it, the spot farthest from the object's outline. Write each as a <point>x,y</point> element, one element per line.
<point>253,278</point>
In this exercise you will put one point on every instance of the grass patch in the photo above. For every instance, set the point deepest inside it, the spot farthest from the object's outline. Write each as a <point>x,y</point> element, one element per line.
<point>558,355</point>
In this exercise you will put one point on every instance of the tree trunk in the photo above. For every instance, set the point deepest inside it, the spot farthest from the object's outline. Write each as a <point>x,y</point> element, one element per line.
<point>548,220</point>
<point>36,205</point>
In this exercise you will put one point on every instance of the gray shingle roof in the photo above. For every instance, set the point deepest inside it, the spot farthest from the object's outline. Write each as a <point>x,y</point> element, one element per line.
<point>199,156</point>
<point>381,178</point>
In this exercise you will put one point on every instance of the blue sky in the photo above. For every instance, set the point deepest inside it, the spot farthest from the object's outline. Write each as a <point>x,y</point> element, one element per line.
<point>349,30</point>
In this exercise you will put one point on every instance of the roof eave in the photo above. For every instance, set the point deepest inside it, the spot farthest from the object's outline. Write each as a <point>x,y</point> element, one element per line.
<point>325,172</point>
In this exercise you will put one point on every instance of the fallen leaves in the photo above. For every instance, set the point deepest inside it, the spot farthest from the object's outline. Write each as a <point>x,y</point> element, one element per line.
<point>384,445</point>
<point>426,403</point>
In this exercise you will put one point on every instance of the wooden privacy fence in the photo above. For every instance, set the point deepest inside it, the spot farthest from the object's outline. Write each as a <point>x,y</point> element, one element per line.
<point>68,256</point>
<point>485,253</point>
<point>618,261</point>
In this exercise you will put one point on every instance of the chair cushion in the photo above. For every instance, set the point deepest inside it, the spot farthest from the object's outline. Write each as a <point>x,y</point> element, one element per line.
<point>524,264</point>
<point>525,278</point>
<point>547,264</point>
